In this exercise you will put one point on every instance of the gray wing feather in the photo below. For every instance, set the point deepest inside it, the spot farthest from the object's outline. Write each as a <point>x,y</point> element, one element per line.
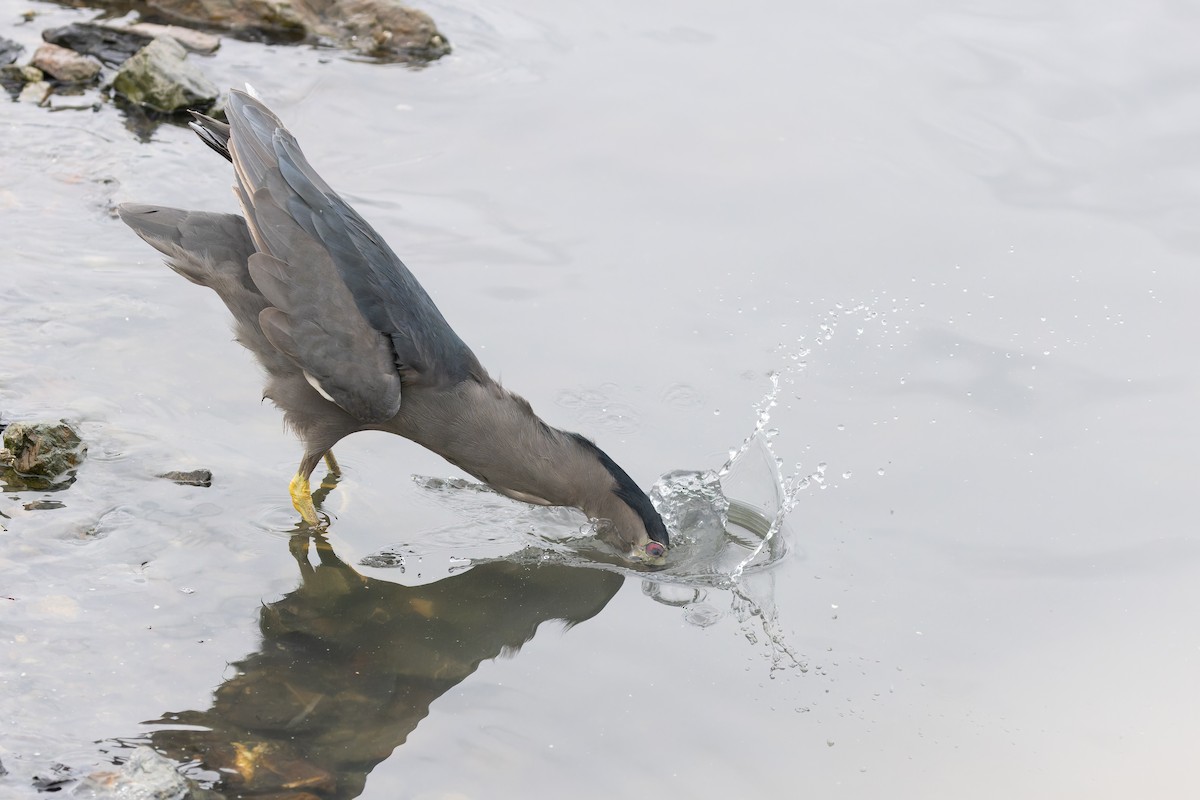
<point>322,331</point>
<point>388,297</point>
<point>350,362</point>
<point>210,250</point>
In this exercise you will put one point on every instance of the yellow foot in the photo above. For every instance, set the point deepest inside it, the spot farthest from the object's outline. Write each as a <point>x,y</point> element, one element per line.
<point>302,499</point>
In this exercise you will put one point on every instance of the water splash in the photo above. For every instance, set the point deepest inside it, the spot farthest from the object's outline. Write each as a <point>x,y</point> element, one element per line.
<point>750,492</point>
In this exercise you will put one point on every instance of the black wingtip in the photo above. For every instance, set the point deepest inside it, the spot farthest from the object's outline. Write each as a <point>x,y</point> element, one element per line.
<point>213,133</point>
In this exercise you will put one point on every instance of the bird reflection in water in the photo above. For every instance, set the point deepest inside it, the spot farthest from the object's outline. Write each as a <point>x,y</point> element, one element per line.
<point>349,665</point>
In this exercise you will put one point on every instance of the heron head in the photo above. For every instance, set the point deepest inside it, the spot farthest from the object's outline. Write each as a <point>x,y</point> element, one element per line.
<point>636,529</point>
<point>629,521</point>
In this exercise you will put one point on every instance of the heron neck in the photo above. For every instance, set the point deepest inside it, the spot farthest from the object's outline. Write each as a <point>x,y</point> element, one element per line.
<point>495,436</point>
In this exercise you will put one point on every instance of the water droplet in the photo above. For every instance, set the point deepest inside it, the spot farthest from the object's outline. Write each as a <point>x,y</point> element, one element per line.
<point>879,471</point>
<point>716,412</point>
<point>841,427</point>
<point>846,475</point>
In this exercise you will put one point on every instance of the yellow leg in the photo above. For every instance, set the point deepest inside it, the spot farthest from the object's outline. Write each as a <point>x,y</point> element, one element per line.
<point>302,499</point>
<point>332,464</point>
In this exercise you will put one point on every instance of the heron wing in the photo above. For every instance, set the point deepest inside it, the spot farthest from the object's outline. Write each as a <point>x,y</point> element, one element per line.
<point>313,320</point>
<point>211,250</point>
<point>333,255</point>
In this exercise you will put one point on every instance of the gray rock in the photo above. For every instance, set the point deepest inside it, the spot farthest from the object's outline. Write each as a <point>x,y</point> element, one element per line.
<point>9,50</point>
<point>40,455</point>
<point>145,776</point>
<point>195,477</point>
<point>44,505</point>
<point>110,45</point>
<point>64,65</point>
<point>161,78</point>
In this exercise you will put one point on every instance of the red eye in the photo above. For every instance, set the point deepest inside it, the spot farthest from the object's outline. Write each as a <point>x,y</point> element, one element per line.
<point>654,549</point>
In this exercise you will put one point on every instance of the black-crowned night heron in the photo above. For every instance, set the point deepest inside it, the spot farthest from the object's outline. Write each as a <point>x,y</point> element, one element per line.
<point>350,341</point>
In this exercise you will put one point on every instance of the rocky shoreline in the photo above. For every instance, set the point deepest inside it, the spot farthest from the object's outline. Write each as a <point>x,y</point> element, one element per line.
<point>144,62</point>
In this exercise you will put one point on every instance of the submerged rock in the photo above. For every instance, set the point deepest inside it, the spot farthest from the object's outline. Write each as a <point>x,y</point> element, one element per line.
<point>63,64</point>
<point>9,50</point>
<point>40,455</point>
<point>44,505</point>
<point>110,45</point>
<point>145,776</point>
<point>159,77</point>
<point>195,477</point>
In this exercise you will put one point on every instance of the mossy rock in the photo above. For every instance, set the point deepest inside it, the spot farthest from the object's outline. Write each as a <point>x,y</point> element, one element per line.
<point>39,455</point>
<point>160,77</point>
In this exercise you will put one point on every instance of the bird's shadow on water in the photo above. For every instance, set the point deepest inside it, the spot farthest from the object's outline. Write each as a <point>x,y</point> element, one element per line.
<point>350,664</point>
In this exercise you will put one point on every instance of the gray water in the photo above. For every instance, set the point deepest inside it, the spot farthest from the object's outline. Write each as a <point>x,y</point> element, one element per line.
<point>964,238</point>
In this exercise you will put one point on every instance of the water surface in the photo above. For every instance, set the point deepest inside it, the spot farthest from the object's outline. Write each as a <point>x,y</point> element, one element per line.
<point>964,239</point>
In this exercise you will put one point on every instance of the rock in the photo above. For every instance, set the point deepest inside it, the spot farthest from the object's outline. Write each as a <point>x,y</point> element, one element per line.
<point>14,77</point>
<point>43,505</point>
<point>381,29</point>
<point>110,45</point>
<point>195,41</point>
<point>145,776</point>
<point>275,20</point>
<point>195,477</point>
<point>9,50</point>
<point>160,78</point>
<point>40,455</point>
<point>35,93</point>
<point>70,102</point>
<point>64,65</point>
<point>22,74</point>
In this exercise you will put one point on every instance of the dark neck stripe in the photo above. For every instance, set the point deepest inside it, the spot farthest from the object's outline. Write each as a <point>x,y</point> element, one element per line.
<point>629,492</point>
